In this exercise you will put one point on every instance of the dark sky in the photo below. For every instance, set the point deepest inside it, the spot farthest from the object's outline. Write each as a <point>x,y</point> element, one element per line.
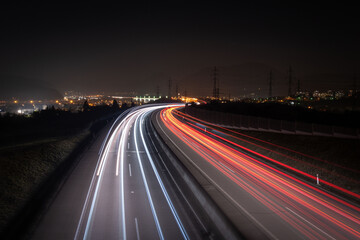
<point>135,46</point>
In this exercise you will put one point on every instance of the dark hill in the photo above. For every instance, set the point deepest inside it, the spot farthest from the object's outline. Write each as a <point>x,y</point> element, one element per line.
<point>25,89</point>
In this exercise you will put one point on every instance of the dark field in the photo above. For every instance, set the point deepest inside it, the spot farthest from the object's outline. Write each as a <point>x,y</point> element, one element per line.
<point>336,160</point>
<point>26,167</point>
<point>38,150</point>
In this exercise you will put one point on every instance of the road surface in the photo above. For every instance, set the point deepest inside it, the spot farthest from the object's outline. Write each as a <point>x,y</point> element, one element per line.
<point>276,205</point>
<point>122,191</point>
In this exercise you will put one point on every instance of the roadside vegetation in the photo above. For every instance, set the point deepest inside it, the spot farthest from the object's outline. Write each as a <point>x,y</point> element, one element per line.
<point>335,160</point>
<point>346,118</point>
<point>34,147</point>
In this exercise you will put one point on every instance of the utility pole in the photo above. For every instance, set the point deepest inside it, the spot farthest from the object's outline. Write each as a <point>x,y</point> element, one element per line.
<point>176,91</point>
<point>290,80</point>
<point>157,91</point>
<point>169,90</point>
<point>298,85</point>
<point>354,93</point>
<point>216,85</point>
<point>218,88</point>
<point>355,84</point>
<point>270,84</point>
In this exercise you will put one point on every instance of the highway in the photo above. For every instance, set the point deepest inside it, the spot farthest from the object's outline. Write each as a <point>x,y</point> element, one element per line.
<point>263,201</point>
<point>130,185</point>
<point>122,189</point>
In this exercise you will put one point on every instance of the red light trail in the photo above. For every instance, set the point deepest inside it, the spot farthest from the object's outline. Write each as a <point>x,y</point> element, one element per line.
<point>314,213</point>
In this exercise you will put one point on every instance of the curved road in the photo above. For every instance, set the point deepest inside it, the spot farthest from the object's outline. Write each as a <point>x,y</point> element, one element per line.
<point>123,191</point>
<point>276,205</point>
<point>130,190</point>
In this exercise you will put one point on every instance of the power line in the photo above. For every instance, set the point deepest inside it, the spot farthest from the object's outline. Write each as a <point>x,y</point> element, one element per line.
<point>157,91</point>
<point>298,85</point>
<point>355,83</point>
<point>270,84</point>
<point>290,81</point>
<point>169,90</point>
<point>176,91</point>
<point>216,84</point>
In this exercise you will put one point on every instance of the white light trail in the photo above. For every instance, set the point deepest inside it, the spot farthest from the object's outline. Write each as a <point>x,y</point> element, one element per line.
<point>161,236</point>
<point>98,172</point>
<point>173,210</point>
<point>121,130</point>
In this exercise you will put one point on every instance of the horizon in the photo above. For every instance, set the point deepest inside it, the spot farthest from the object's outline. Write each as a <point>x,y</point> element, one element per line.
<point>137,46</point>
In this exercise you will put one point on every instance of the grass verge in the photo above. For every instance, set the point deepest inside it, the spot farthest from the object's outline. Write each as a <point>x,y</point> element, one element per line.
<point>26,167</point>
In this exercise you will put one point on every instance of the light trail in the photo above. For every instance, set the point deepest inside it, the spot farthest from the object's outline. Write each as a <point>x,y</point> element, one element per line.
<point>273,188</point>
<point>171,205</point>
<point>100,171</point>
<point>121,130</point>
<point>94,180</point>
<point>103,157</point>
<point>148,193</point>
<point>279,163</point>
<point>235,134</point>
<point>111,128</point>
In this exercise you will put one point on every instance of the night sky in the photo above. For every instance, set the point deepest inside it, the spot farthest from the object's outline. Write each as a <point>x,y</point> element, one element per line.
<point>134,47</point>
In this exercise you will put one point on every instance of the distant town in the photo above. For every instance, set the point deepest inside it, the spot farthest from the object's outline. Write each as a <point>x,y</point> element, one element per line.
<point>334,100</point>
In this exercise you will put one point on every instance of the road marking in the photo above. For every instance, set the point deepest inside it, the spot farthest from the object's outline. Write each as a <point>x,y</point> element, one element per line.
<point>119,153</point>
<point>104,152</point>
<point>128,145</point>
<point>161,236</point>
<point>130,169</point>
<point>107,135</point>
<point>95,181</point>
<point>87,201</point>
<point>177,186</point>
<point>129,133</point>
<point>166,195</point>
<point>330,237</point>
<point>154,145</point>
<point>137,229</point>
<point>226,167</point>
<point>272,236</point>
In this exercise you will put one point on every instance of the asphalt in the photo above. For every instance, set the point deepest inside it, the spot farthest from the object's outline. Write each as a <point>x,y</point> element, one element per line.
<point>260,206</point>
<point>142,180</point>
<point>122,189</point>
